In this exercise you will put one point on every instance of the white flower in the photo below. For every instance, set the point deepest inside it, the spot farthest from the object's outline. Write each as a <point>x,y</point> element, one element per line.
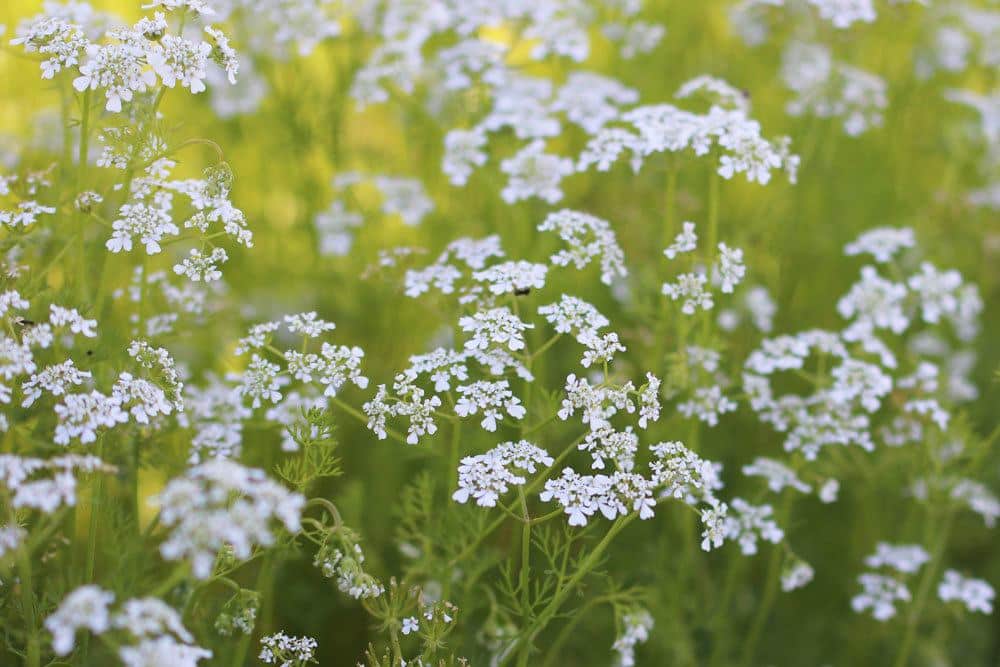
<point>308,324</point>
<point>261,381</point>
<point>588,237</point>
<point>778,475</point>
<point>882,243</point>
<point>200,267</point>
<point>686,241</point>
<point>508,277</point>
<point>905,558</point>
<point>488,398</point>
<point>601,350</point>
<point>636,625</point>
<point>975,594</point>
<point>410,624</point>
<point>218,504</point>
<point>937,291</point>
<point>149,223</point>
<point>87,608</point>
<point>117,68</point>
<point>574,316</point>
<point>880,594</point>
<point>745,522</point>
<point>690,287</point>
<point>796,575</point>
<point>707,404</point>
<point>71,318</point>
<point>497,326</point>
<point>284,650</point>
<point>486,477</point>
<point>176,59</point>
<point>535,173</point>
<point>463,152</point>
<point>730,269</point>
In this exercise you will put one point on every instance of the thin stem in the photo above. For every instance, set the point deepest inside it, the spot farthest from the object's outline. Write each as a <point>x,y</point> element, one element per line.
<point>926,584</point>
<point>525,548</point>
<point>527,638</point>
<point>33,655</point>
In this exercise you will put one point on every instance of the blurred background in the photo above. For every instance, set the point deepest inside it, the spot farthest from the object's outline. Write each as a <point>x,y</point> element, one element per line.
<point>915,170</point>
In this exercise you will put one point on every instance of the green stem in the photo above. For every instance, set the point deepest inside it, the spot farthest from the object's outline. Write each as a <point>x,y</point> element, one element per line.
<point>526,639</point>
<point>525,548</point>
<point>33,654</point>
<point>926,584</point>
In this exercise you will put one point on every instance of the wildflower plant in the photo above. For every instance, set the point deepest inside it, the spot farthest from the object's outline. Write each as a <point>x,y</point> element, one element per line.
<point>400,366</point>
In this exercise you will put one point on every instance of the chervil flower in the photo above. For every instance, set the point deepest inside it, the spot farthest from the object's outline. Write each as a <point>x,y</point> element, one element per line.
<point>746,522</point>
<point>85,608</point>
<point>588,237</point>
<point>535,173</point>
<point>686,241</point>
<point>707,404</point>
<point>175,59</point>
<point>882,243</point>
<point>56,380</point>
<point>937,291</point>
<point>572,315</point>
<point>490,399</point>
<point>486,477</point>
<point>463,153</point>
<point>905,558</point>
<point>690,287</point>
<point>119,69</point>
<point>778,475</point>
<point>601,350</point>
<point>198,266</point>
<point>730,269</point>
<point>795,575</point>
<point>880,594</point>
<point>282,649</point>
<point>261,381</point>
<point>147,222</point>
<point>975,594</point>
<point>218,504</point>
<point>508,277</point>
<point>497,326</point>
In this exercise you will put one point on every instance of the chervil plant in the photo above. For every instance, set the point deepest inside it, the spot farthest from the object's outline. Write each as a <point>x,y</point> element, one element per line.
<point>462,332</point>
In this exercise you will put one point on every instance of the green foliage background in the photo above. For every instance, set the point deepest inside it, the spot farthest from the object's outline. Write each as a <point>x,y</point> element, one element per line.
<point>913,171</point>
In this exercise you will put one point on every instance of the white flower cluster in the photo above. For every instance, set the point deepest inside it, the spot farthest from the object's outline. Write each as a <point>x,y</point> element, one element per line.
<point>128,63</point>
<point>666,128</point>
<point>830,89</point>
<point>635,625</point>
<point>692,288</point>
<point>282,649</point>
<point>222,504</point>
<point>881,592</point>
<point>46,484</point>
<point>975,594</point>
<point>486,477</point>
<point>329,369</point>
<point>153,631</point>
<point>587,237</point>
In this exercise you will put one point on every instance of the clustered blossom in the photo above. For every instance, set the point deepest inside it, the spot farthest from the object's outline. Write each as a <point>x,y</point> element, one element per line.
<point>490,399</point>
<point>830,89</point>
<point>282,649</point>
<point>666,128</point>
<point>636,625</point>
<point>46,484</point>
<point>587,237</point>
<point>975,594</point>
<point>221,504</point>
<point>154,630</point>
<point>486,477</point>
